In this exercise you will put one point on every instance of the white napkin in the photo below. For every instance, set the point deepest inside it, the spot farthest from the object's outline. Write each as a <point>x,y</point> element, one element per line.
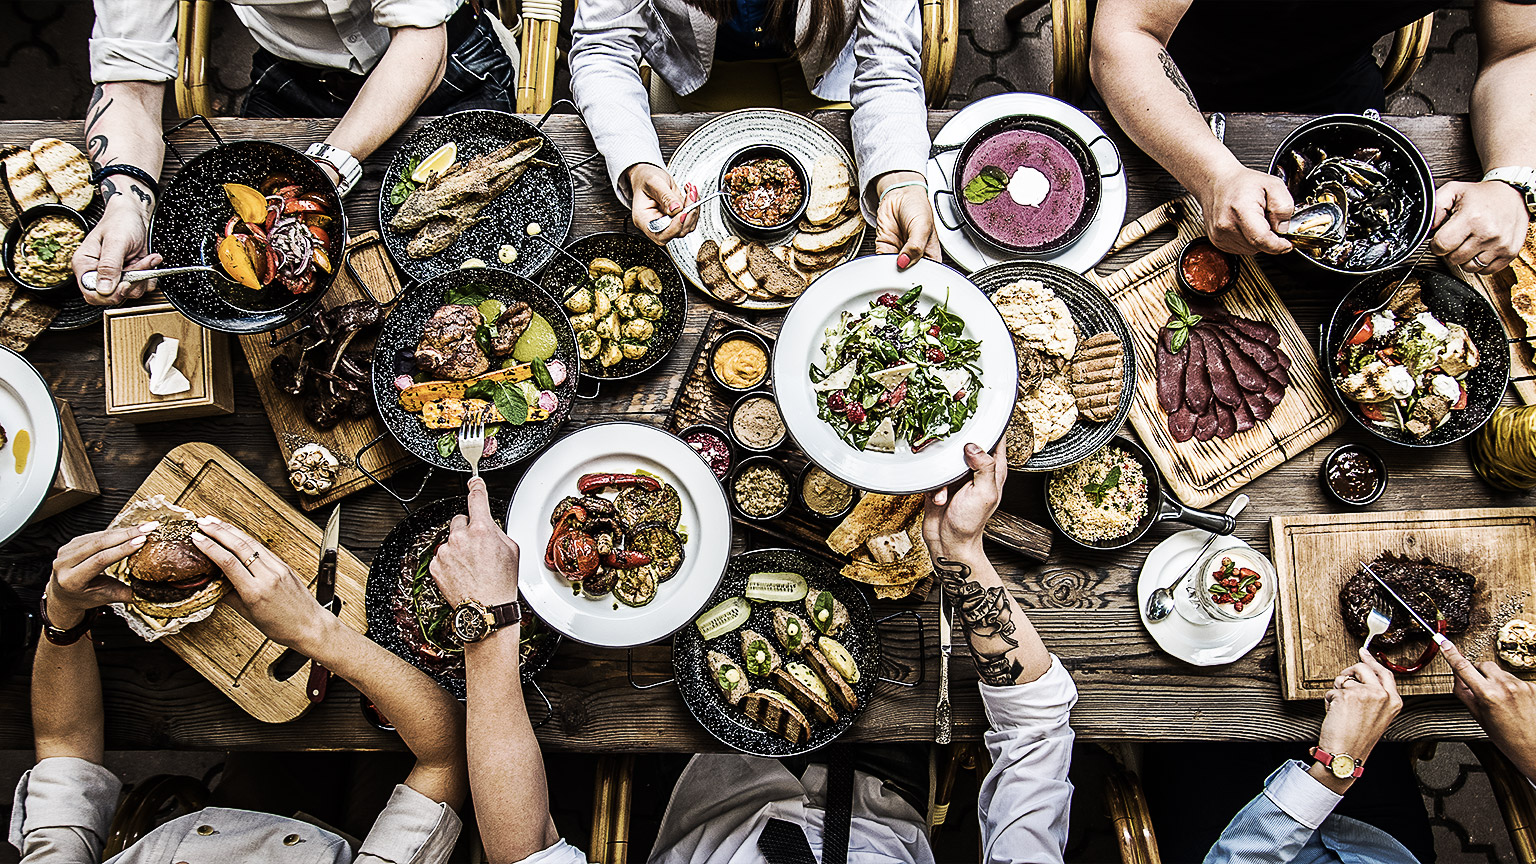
<point>164,378</point>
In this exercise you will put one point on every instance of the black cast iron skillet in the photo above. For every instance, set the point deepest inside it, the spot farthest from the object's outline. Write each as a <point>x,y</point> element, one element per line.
<point>384,581</point>
<point>190,218</point>
<point>543,195</point>
<point>562,277</point>
<point>1452,301</point>
<point>402,332</point>
<point>1161,506</point>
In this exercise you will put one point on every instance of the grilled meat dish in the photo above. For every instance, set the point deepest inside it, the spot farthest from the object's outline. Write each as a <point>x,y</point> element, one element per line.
<point>1434,590</point>
<point>509,327</point>
<point>472,179</point>
<point>448,348</point>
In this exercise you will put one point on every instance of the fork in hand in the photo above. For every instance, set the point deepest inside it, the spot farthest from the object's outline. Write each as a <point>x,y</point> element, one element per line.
<point>472,443</point>
<point>1376,623</point>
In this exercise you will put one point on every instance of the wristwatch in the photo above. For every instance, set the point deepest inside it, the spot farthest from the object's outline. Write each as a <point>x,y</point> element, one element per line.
<point>1340,765</point>
<point>1524,181</point>
<point>345,164</point>
<point>60,636</point>
<point>473,621</point>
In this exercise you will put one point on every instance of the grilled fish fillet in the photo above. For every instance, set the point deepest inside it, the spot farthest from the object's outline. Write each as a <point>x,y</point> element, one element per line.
<point>476,178</point>
<point>439,233</point>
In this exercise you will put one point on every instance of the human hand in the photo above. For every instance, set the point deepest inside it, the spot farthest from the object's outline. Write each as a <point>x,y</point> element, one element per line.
<point>268,593</point>
<point>478,560</point>
<point>1244,209</point>
<point>1360,707</point>
<point>904,221</point>
<point>1504,705</point>
<point>119,242</point>
<point>653,194</point>
<point>1479,227</point>
<point>952,521</point>
<point>78,583</point>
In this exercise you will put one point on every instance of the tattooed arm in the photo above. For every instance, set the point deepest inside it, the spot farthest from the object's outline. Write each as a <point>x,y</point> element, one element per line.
<point>1152,102</point>
<point>122,126</point>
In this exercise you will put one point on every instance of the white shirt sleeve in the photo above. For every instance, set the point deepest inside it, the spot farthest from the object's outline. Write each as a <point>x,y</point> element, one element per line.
<point>1026,798</point>
<point>425,14</point>
<point>133,40</point>
<point>560,853</point>
<point>890,118</point>
<point>606,48</point>
<point>62,811</point>
<point>412,829</point>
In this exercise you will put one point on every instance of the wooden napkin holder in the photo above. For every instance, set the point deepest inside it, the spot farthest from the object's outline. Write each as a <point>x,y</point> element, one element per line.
<point>75,482</point>
<point>203,358</point>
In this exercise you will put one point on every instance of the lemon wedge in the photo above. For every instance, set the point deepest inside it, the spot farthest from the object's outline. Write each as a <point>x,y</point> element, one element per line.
<point>437,163</point>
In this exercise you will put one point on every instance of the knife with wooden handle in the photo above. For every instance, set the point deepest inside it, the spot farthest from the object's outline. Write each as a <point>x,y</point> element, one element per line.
<point>941,718</point>
<point>325,593</point>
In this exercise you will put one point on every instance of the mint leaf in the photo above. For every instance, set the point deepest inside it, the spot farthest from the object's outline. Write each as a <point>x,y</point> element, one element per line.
<point>541,375</point>
<point>465,295</point>
<point>404,186</point>
<point>1097,491</point>
<point>986,185</point>
<point>508,398</point>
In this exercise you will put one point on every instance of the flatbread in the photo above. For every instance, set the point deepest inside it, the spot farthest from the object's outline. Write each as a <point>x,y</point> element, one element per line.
<point>1019,438</point>
<point>874,515</point>
<point>1034,313</point>
<point>1052,411</point>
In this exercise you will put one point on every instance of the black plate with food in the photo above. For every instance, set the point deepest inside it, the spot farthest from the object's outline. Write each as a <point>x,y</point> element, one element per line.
<point>268,217</point>
<point>506,176</point>
<point>407,614</point>
<point>1466,366</point>
<point>1093,314</point>
<point>806,717</point>
<point>439,362</point>
<point>615,281</point>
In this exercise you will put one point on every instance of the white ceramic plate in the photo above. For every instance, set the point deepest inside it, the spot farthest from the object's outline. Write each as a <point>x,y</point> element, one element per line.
<point>851,287</point>
<point>25,403</point>
<point>700,157</point>
<point>621,448</point>
<point>1213,644</point>
<point>969,253</point>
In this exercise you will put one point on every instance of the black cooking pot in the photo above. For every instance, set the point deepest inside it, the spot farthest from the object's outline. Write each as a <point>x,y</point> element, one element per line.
<point>1161,506</point>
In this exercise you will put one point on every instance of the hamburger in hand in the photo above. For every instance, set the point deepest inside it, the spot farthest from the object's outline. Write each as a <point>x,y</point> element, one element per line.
<point>169,576</point>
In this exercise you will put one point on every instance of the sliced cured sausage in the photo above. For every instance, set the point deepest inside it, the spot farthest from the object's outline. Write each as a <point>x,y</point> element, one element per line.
<point>1248,374</point>
<point>1226,420</point>
<point>1223,383</point>
<point>1244,412</point>
<point>1205,424</point>
<point>1197,385</point>
<point>1170,373</point>
<point>1181,423</point>
<point>1261,353</point>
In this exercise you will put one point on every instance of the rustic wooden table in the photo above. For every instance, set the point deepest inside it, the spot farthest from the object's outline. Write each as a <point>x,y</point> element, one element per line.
<point>1083,603</point>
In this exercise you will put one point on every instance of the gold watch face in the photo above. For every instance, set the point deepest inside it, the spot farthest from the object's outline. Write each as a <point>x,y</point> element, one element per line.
<point>1343,766</point>
<point>469,623</point>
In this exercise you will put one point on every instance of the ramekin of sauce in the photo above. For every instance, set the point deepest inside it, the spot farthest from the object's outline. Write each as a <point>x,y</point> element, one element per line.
<point>739,361</point>
<point>1354,474</point>
<point>1204,270</point>
<point>713,445</point>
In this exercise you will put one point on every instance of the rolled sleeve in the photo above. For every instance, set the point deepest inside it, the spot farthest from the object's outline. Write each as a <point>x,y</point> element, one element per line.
<point>560,853</point>
<point>1026,799</point>
<point>606,39</point>
<point>890,118</point>
<point>1300,796</point>
<point>425,14</point>
<point>412,829</point>
<point>133,40</point>
<point>63,810</point>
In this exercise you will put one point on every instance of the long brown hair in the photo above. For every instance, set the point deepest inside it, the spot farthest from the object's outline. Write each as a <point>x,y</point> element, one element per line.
<point>828,19</point>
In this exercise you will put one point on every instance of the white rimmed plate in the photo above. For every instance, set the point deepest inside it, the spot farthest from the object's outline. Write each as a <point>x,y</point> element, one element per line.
<point>620,448</point>
<point>25,403</point>
<point>1213,644</point>
<point>851,287</point>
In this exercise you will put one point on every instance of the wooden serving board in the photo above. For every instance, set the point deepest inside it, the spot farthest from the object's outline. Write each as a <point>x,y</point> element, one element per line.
<point>1316,553</point>
<point>1496,286</point>
<point>701,400</point>
<point>1202,472</point>
<point>225,648</point>
<point>367,259</point>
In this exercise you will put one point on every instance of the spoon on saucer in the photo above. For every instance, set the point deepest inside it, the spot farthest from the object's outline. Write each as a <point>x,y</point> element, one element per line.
<point>1161,601</point>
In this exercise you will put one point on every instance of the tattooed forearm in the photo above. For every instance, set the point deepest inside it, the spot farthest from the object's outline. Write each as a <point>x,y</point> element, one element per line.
<point>96,148</point>
<point>108,189</point>
<point>986,617</point>
<point>92,111</point>
<point>1177,77</point>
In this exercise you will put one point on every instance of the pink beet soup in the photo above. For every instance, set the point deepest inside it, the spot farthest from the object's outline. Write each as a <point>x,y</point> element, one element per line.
<point>1010,223</point>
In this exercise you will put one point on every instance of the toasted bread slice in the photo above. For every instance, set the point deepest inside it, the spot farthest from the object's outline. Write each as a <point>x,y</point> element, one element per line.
<point>26,318</point>
<point>713,275</point>
<point>733,257</point>
<point>819,261</point>
<point>779,278</point>
<point>27,184</point>
<point>730,679</point>
<point>841,693</point>
<point>823,241</point>
<point>831,187</point>
<point>8,208</point>
<point>1098,376</point>
<point>801,684</point>
<point>67,171</point>
<point>776,713</point>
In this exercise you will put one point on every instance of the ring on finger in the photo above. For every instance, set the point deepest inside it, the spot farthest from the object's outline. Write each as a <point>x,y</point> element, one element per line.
<point>1477,261</point>
<point>254,556</point>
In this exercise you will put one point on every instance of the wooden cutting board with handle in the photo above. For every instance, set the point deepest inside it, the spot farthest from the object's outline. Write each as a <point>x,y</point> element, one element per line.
<point>225,648</point>
<point>1316,553</point>
<point>1202,472</point>
<point>1497,287</point>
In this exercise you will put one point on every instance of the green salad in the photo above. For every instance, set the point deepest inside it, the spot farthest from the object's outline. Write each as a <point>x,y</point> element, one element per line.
<point>895,374</point>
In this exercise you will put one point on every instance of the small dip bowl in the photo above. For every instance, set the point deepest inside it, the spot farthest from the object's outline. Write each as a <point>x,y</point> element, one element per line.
<point>752,411</point>
<point>13,243</point>
<point>722,374</point>
<point>1353,474</point>
<point>721,458</point>
<point>813,472</point>
<point>736,220</point>
<point>755,470</point>
<point>1205,271</point>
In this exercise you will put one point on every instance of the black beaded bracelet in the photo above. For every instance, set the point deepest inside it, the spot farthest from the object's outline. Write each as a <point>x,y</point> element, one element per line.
<point>136,173</point>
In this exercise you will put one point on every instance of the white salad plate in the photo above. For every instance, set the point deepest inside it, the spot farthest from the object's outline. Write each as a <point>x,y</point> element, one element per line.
<point>851,287</point>
<point>621,448</point>
<point>25,405</point>
<point>1211,644</point>
<point>971,253</point>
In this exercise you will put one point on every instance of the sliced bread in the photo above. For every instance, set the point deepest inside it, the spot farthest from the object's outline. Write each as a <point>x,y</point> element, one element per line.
<point>772,273</point>
<point>823,241</point>
<point>713,275</point>
<point>67,171</point>
<point>26,183</point>
<point>831,187</point>
<point>733,257</point>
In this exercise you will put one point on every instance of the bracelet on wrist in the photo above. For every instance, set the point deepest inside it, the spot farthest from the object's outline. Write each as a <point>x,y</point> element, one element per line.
<point>131,171</point>
<point>894,186</point>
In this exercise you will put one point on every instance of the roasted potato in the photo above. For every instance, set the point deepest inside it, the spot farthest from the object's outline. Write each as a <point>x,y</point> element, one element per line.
<point>588,344</point>
<point>625,303</point>
<point>642,279</point>
<point>638,329</point>
<point>583,322</point>
<point>608,328</point>
<point>579,302</point>
<point>609,285</point>
<point>601,304</point>
<point>649,306</point>
<point>634,350</point>
<point>612,353</point>
<point>604,267</point>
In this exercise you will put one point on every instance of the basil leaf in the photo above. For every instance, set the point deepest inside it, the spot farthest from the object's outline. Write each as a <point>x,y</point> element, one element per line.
<point>986,185</point>
<point>541,375</point>
<point>465,295</point>
<point>1179,340</point>
<point>404,186</point>
<point>447,444</point>
<point>1176,304</point>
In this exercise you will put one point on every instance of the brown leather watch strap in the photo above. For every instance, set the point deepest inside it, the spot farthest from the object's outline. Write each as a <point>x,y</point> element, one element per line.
<point>506,614</point>
<point>60,636</point>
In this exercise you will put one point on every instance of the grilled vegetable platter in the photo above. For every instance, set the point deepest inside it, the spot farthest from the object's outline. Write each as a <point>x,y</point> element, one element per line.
<point>784,658</point>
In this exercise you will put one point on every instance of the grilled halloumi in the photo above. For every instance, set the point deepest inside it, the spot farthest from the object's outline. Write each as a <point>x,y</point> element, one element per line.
<point>67,171</point>
<point>26,183</point>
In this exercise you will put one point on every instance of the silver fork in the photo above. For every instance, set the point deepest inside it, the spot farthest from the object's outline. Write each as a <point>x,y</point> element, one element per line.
<point>1376,623</point>
<point>472,443</point>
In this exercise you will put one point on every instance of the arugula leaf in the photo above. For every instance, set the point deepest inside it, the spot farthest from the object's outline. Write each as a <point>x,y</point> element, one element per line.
<point>404,186</point>
<point>911,296</point>
<point>985,186</point>
<point>541,375</point>
<point>1097,491</point>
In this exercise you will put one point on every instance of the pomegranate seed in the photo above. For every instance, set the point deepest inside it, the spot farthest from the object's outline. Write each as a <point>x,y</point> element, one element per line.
<point>889,300</point>
<point>934,330</point>
<point>959,395</point>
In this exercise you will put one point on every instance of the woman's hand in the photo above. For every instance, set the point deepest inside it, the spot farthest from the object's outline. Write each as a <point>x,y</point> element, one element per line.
<point>904,221</point>
<point>1245,209</point>
<point>1361,705</point>
<point>953,521</point>
<point>1479,227</point>
<point>269,594</point>
<point>78,583</point>
<point>1504,705</point>
<point>653,194</point>
<point>478,560</point>
<point>118,243</point>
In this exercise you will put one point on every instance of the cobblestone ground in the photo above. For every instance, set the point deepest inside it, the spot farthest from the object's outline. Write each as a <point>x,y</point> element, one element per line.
<point>43,74</point>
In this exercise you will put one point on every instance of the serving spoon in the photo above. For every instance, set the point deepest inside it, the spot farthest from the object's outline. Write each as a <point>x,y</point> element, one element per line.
<point>1161,601</point>
<point>134,276</point>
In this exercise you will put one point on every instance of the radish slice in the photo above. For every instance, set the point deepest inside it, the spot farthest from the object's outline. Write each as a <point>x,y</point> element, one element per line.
<point>556,372</point>
<point>403,381</point>
<point>490,447</point>
<point>548,401</point>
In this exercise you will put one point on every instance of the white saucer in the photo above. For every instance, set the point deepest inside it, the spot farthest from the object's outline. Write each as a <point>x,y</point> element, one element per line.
<point>969,254</point>
<point>1213,644</point>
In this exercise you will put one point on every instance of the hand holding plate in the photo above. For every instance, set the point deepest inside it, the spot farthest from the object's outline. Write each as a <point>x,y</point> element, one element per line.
<point>953,521</point>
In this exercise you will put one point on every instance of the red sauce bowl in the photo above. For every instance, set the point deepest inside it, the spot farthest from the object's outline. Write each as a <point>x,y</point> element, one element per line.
<point>1205,271</point>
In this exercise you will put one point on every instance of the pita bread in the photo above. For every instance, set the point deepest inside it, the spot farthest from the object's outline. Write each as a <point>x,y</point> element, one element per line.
<point>26,183</point>
<point>67,171</point>
<point>1052,412</point>
<point>873,516</point>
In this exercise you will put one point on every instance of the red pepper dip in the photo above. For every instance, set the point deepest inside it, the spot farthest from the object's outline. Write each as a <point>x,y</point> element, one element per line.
<point>765,192</point>
<point>713,450</point>
<point>1205,269</point>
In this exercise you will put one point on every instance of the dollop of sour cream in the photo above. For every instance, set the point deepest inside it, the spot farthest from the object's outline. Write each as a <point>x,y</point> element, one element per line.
<point>1432,325</point>
<point>1398,382</point>
<point>1446,388</point>
<point>1028,186</point>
